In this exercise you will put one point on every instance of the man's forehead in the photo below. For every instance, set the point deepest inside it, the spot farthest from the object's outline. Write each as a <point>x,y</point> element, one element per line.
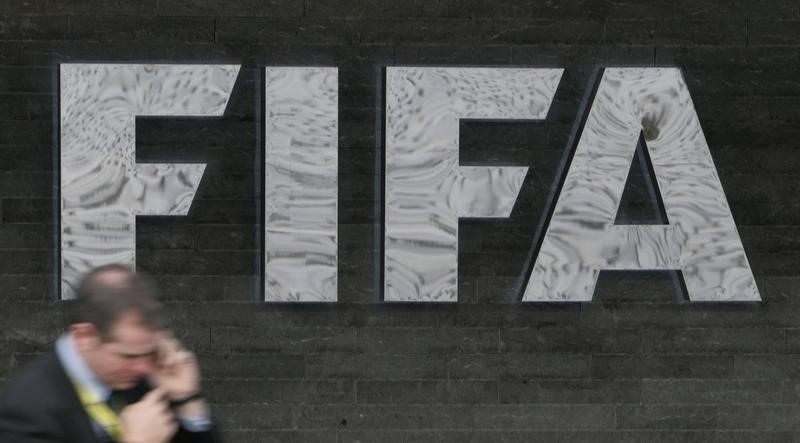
<point>112,277</point>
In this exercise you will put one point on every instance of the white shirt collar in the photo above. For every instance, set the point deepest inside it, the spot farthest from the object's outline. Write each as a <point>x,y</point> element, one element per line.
<point>77,369</point>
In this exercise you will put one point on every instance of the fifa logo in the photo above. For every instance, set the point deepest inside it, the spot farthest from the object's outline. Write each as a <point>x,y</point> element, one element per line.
<point>103,188</point>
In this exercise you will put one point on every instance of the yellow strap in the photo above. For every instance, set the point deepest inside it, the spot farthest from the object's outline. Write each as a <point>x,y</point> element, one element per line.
<point>100,412</point>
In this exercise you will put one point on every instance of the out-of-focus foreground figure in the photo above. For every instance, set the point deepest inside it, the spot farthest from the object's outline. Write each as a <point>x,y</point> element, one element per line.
<point>117,374</point>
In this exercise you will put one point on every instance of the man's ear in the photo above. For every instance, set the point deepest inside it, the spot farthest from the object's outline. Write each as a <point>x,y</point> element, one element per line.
<point>84,335</point>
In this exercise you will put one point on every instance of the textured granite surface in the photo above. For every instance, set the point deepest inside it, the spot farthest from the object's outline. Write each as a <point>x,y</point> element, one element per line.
<point>637,364</point>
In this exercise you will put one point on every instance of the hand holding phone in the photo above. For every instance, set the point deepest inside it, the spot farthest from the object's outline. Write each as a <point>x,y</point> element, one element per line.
<point>177,372</point>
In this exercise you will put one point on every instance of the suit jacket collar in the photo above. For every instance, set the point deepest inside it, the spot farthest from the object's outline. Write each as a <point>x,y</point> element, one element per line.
<point>78,425</point>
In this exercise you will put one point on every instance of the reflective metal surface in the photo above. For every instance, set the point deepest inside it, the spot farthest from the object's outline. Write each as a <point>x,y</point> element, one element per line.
<point>301,184</point>
<point>701,239</point>
<point>103,189</point>
<point>426,189</point>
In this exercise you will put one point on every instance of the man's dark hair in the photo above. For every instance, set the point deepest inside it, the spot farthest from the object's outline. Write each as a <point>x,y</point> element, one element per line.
<point>108,292</point>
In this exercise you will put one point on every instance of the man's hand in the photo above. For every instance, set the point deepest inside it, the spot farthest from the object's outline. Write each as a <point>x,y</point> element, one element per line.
<point>177,372</point>
<point>149,420</point>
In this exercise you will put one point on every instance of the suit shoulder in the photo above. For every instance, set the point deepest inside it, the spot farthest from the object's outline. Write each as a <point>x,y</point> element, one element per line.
<point>37,384</point>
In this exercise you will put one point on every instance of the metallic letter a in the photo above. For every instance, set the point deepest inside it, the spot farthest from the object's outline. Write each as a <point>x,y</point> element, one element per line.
<point>700,238</point>
<point>103,189</point>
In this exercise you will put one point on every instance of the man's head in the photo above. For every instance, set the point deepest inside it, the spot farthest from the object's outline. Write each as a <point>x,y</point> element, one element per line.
<point>116,322</point>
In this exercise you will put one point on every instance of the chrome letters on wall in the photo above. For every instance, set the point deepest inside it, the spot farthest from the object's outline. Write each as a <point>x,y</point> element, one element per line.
<point>700,240</point>
<point>426,189</point>
<point>300,181</point>
<point>103,189</point>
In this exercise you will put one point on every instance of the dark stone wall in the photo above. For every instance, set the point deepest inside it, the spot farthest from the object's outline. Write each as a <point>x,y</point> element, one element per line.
<point>637,364</point>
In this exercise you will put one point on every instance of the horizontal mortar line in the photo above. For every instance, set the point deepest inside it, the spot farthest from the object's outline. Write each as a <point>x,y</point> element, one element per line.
<point>86,59</point>
<point>292,430</point>
<point>418,430</point>
<point>716,430</point>
<point>332,404</point>
<point>533,379</point>
<point>570,430</point>
<point>708,404</point>
<point>349,353</point>
<point>100,40</point>
<point>748,67</point>
<point>273,379</point>
<point>38,275</point>
<point>27,93</point>
<point>697,379</point>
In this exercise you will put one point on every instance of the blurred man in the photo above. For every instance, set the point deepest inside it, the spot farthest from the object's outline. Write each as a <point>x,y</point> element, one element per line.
<point>116,375</point>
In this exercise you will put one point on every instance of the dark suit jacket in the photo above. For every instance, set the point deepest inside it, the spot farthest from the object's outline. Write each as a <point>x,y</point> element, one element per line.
<point>40,405</point>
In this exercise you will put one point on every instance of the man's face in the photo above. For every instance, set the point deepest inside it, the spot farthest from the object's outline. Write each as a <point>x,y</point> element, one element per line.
<point>125,356</point>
